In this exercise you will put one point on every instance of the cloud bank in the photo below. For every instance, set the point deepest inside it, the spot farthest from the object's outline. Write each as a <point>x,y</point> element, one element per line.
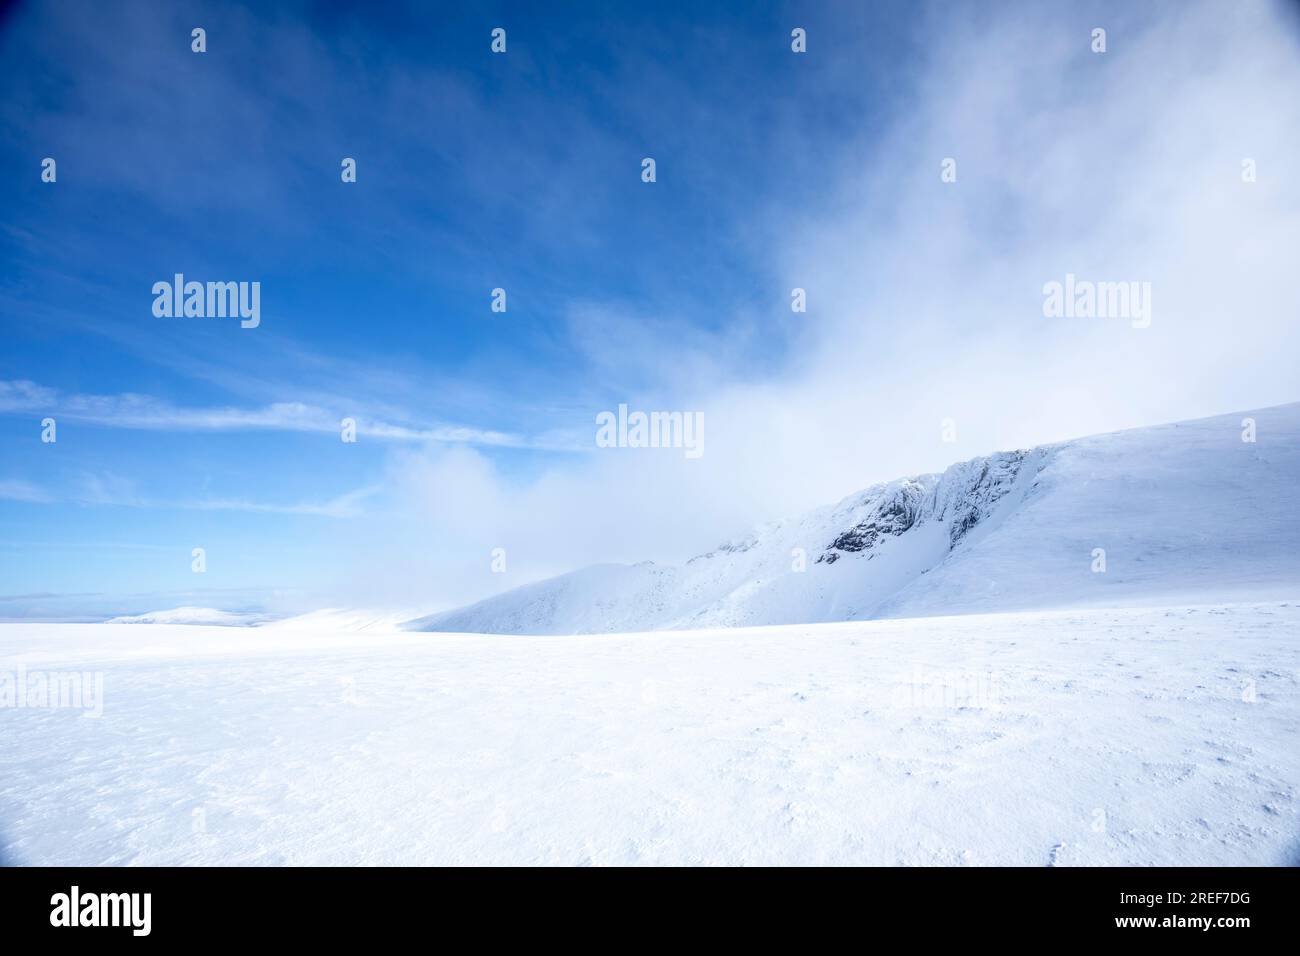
<point>925,297</point>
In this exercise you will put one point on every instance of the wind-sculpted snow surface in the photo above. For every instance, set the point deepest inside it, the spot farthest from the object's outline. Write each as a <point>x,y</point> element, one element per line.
<point>1071,738</point>
<point>1151,515</point>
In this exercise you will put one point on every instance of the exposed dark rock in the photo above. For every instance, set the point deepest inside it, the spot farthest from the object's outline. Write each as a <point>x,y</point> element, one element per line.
<point>898,510</point>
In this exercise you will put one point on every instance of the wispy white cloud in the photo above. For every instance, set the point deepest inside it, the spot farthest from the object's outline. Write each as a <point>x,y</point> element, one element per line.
<point>344,506</point>
<point>133,411</point>
<point>108,490</point>
<point>13,489</point>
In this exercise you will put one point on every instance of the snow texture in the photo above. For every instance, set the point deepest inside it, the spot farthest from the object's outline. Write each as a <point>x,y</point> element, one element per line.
<point>1133,736</point>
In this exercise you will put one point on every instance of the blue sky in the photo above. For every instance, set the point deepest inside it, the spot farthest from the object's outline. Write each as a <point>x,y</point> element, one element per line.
<point>522,171</point>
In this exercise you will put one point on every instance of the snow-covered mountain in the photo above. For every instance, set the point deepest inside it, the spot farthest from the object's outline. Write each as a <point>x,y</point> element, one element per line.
<point>1182,511</point>
<point>194,615</point>
<point>325,619</point>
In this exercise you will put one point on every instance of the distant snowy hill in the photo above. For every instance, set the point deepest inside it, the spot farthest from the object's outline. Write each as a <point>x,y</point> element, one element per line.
<point>1182,511</point>
<point>330,619</point>
<point>194,615</point>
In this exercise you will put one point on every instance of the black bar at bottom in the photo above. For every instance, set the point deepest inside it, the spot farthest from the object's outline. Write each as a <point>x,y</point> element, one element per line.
<point>339,906</point>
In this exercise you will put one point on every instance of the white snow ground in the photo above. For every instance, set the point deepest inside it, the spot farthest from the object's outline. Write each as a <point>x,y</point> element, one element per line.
<point>1133,736</point>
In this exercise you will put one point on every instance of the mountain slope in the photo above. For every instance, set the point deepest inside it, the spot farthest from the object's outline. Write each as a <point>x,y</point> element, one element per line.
<point>1180,510</point>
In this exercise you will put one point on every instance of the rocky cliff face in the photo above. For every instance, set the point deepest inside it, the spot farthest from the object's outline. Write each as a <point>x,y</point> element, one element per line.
<point>893,512</point>
<point>960,498</point>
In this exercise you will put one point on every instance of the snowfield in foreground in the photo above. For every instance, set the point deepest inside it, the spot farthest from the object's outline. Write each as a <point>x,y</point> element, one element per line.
<point>1136,736</point>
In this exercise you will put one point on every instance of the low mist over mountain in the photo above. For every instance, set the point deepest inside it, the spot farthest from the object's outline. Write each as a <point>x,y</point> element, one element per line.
<point>1188,511</point>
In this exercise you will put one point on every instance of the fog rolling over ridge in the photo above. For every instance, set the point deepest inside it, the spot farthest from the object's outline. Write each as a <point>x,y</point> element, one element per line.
<point>1183,512</point>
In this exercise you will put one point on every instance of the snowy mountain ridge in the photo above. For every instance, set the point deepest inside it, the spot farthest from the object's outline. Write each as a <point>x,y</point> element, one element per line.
<point>816,567</point>
<point>1187,508</point>
<point>194,615</point>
